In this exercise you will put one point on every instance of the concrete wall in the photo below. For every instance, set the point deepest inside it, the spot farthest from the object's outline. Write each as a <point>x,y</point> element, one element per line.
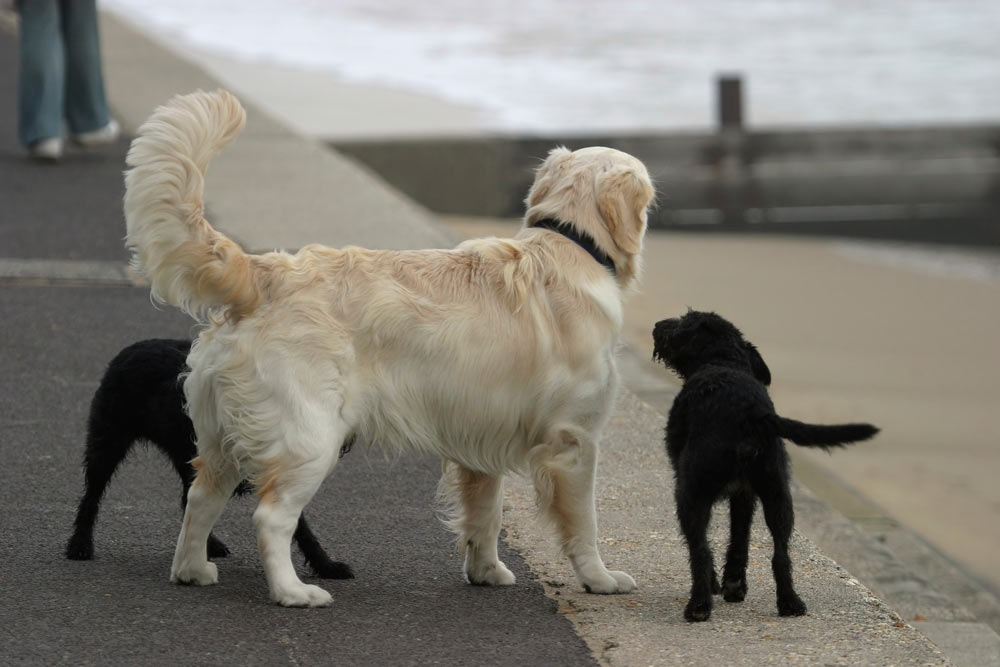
<point>916,183</point>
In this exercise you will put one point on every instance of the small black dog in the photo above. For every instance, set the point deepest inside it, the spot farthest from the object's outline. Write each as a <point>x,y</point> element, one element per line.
<point>140,398</point>
<point>724,439</point>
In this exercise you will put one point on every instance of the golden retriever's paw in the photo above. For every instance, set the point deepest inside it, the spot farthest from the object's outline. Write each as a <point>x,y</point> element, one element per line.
<point>203,574</point>
<point>493,574</point>
<point>303,595</point>
<point>613,582</point>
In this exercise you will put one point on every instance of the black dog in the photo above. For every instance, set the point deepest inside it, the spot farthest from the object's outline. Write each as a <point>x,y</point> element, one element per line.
<point>724,439</point>
<point>141,398</point>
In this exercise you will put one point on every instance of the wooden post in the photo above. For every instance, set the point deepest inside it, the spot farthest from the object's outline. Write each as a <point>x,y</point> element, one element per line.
<point>732,172</point>
<point>730,101</point>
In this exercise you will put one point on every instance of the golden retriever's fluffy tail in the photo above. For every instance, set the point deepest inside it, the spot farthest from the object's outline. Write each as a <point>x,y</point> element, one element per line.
<point>188,263</point>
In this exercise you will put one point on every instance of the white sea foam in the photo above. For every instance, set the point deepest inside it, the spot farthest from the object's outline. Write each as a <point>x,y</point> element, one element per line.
<point>594,65</point>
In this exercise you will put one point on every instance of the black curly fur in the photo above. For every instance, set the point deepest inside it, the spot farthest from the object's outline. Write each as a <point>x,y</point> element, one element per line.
<point>724,439</point>
<point>141,399</point>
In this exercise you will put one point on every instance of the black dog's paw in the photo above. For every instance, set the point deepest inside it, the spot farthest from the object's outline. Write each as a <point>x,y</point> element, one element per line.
<point>245,488</point>
<point>734,590</point>
<point>698,610</point>
<point>332,569</point>
<point>216,548</point>
<point>80,548</point>
<point>792,606</point>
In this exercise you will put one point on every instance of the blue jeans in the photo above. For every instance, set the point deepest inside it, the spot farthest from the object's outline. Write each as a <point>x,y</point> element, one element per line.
<point>59,73</point>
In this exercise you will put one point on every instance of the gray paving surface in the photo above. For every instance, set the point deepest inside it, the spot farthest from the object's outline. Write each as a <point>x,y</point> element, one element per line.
<point>408,604</point>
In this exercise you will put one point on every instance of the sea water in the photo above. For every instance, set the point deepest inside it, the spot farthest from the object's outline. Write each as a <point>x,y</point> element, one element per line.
<point>589,65</point>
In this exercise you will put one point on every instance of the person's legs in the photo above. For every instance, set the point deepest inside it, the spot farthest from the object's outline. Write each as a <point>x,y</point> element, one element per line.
<point>40,72</point>
<point>86,106</point>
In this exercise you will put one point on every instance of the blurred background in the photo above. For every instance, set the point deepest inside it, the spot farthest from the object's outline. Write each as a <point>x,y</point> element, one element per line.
<point>828,178</point>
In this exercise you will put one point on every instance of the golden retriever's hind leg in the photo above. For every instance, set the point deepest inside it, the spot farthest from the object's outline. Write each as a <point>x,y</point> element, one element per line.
<point>563,474</point>
<point>284,489</point>
<point>476,500</point>
<point>206,499</point>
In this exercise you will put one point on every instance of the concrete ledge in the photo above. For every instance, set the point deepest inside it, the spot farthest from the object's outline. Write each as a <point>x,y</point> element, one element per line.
<point>928,184</point>
<point>49,271</point>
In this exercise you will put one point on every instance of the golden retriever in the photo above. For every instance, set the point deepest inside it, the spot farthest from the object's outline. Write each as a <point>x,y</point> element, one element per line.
<point>497,355</point>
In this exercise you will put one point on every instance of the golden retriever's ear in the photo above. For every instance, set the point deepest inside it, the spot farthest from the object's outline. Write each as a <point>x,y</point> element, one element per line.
<point>623,195</point>
<point>545,176</point>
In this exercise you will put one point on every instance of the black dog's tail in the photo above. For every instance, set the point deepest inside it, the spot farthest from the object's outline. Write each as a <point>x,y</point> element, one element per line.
<point>822,435</point>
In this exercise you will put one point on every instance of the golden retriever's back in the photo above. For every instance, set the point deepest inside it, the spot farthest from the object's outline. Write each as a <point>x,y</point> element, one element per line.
<point>480,348</point>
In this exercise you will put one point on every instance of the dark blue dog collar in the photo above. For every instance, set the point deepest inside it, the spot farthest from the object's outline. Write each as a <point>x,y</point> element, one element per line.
<point>582,239</point>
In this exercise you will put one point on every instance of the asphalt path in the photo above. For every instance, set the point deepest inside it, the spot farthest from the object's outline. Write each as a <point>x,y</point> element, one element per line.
<point>408,603</point>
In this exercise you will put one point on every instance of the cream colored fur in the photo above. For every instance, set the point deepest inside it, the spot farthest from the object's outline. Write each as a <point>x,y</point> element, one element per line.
<point>497,356</point>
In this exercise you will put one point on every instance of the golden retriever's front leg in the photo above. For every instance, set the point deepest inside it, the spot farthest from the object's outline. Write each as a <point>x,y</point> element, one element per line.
<point>477,501</point>
<point>563,472</point>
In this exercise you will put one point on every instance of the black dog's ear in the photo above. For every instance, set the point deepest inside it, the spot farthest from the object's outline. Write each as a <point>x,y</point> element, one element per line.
<point>757,365</point>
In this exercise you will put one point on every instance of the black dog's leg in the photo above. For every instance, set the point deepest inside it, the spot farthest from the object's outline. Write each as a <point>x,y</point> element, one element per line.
<point>180,460</point>
<point>316,557</point>
<point>216,547</point>
<point>101,459</point>
<point>734,575</point>
<point>694,514</point>
<point>780,516</point>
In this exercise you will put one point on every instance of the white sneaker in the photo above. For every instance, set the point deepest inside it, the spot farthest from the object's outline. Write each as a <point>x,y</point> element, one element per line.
<point>99,137</point>
<point>46,149</point>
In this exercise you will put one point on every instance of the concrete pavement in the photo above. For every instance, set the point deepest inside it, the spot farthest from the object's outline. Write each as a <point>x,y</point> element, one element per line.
<point>408,605</point>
